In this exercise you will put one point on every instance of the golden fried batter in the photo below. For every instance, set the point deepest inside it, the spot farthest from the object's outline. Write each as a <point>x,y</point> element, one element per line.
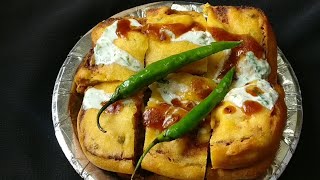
<point>134,43</point>
<point>114,150</point>
<point>186,157</point>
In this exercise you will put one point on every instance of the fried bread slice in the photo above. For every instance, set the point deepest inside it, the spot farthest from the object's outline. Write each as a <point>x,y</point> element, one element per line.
<point>115,149</point>
<point>186,157</point>
<point>248,21</point>
<point>167,31</point>
<point>240,139</point>
<point>120,47</point>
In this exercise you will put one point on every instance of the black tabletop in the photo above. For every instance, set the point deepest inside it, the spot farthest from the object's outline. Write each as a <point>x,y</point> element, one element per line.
<point>37,36</point>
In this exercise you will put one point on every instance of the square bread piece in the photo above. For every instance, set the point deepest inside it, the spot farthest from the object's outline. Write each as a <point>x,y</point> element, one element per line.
<point>118,52</point>
<point>240,140</point>
<point>172,99</point>
<point>164,28</point>
<point>248,22</point>
<point>115,149</point>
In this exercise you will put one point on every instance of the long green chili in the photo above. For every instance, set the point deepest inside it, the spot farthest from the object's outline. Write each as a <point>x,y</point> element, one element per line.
<point>193,118</point>
<point>160,69</point>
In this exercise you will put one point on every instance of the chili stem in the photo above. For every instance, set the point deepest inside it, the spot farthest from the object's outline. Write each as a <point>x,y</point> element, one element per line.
<point>153,143</point>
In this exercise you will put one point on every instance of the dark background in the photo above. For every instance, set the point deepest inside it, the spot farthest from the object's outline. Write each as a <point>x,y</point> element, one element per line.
<point>37,36</point>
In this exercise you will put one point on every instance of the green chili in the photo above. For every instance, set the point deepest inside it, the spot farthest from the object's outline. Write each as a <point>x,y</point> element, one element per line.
<point>160,69</point>
<point>193,118</point>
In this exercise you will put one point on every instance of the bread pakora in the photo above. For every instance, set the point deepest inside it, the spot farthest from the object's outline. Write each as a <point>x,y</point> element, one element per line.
<point>171,100</point>
<point>162,27</point>
<point>120,47</point>
<point>114,150</point>
<point>237,140</point>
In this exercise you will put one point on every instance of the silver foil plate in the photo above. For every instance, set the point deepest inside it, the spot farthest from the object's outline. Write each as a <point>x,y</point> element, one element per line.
<point>64,125</point>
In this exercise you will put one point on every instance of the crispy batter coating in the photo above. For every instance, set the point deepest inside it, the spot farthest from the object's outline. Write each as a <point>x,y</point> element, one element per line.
<point>186,157</point>
<point>160,48</point>
<point>114,150</point>
<point>88,74</point>
<point>250,21</point>
<point>239,140</point>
